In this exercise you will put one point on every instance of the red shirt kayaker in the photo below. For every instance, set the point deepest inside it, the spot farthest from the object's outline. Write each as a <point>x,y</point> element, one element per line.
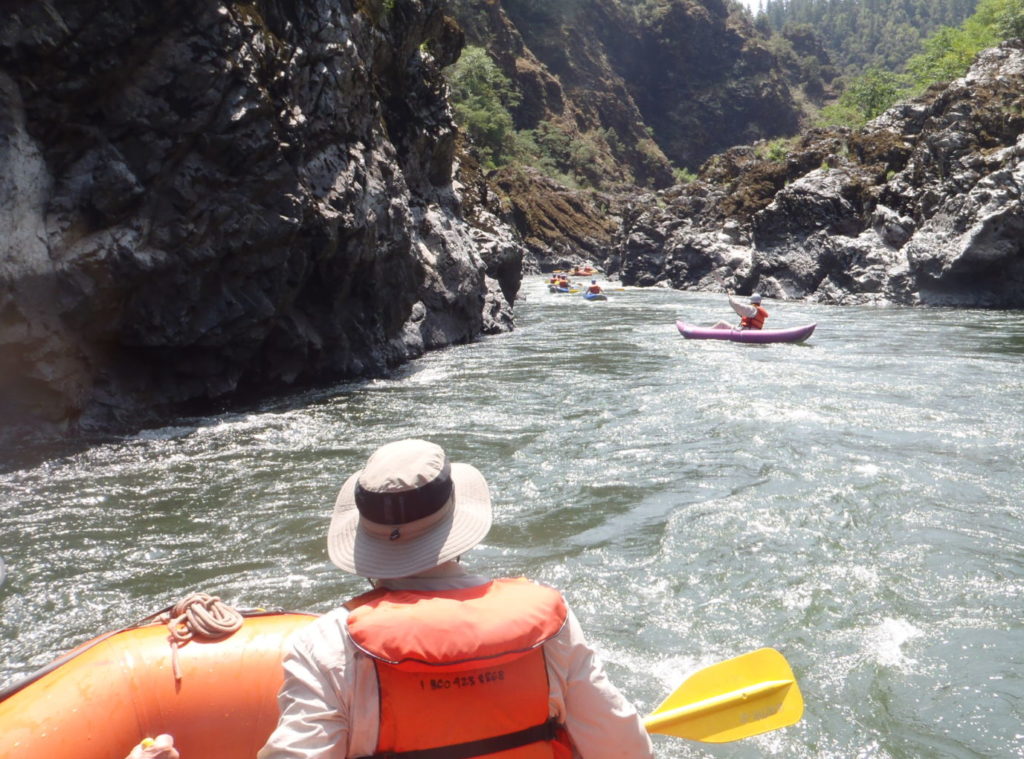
<point>594,287</point>
<point>756,319</point>
<point>752,315</point>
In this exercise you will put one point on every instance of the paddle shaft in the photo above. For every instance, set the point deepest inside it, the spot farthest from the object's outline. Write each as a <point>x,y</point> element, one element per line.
<point>716,703</point>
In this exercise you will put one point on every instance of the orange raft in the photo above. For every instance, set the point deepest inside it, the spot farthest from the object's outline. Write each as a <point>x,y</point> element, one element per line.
<point>102,698</point>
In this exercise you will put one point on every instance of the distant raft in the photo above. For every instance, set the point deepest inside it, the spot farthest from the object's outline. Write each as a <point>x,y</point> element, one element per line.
<point>790,335</point>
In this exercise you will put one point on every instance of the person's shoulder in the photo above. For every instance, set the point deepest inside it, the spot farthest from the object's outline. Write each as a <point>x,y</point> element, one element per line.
<point>327,628</point>
<point>324,644</point>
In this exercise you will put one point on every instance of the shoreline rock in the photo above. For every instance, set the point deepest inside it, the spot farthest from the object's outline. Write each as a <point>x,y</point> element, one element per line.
<point>921,207</point>
<point>202,203</point>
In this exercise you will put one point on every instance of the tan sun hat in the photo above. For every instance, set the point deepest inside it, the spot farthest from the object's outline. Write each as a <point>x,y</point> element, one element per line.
<point>408,510</point>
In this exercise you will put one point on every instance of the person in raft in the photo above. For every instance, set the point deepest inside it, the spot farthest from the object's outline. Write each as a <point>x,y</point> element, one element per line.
<point>594,287</point>
<point>435,660</point>
<point>752,315</point>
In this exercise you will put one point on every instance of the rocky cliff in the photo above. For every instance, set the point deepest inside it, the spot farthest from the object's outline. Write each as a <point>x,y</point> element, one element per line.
<point>202,201</point>
<point>620,95</point>
<point>644,87</point>
<point>923,206</point>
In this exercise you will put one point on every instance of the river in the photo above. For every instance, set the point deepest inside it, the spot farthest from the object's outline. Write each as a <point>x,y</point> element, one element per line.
<point>856,502</point>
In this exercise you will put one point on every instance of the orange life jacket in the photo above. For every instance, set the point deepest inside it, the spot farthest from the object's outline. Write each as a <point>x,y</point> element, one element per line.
<point>462,672</point>
<point>756,321</point>
<point>594,289</point>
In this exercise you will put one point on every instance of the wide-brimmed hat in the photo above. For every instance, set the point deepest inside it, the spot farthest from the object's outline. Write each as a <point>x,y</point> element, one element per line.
<point>408,510</point>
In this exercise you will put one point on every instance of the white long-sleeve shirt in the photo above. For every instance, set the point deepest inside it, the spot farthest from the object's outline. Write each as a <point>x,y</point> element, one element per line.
<point>329,696</point>
<point>743,309</point>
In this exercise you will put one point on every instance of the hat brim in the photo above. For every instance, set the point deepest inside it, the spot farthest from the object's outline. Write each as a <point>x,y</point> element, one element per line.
<point>374,554</point>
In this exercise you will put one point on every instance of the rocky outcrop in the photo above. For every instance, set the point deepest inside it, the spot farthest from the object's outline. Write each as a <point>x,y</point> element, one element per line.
<point>560,228</point>
<point>200,202</point>
<point>923,206</point>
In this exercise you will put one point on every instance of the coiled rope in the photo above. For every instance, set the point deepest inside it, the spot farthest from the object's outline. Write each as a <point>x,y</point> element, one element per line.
<point>198,615</point>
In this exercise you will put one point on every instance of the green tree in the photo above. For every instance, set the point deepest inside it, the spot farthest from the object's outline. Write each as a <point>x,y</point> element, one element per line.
<point>948,53</point>
<point>873,92</point>
<point>481,96</point>
<point>995,21</point>
<point>1010,20</point>
<point>863,34</point>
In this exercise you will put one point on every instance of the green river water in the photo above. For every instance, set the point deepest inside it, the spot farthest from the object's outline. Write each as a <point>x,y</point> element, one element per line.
<point>854,502</point>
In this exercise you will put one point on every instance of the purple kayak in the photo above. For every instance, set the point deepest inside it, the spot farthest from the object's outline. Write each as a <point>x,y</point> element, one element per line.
<point>791,335</point>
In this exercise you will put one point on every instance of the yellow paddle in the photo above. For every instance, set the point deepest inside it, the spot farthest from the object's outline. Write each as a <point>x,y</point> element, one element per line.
<point>734,699</point>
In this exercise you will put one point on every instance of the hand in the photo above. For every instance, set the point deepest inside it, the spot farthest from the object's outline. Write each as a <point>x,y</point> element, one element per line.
<point>161,747</point>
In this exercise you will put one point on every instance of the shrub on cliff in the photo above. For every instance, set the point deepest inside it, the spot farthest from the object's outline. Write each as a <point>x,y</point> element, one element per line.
<point>946,55</point>
<point>949,52</point>
<point>481,97</point>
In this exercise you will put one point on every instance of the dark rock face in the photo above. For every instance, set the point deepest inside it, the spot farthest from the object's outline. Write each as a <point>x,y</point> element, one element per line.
<point>628,87</point>
<point>647,85</point>
<point>199,202</point>
<point>559,68</point>
<point>923,206</point>
<point>560,228</point>
<point>703,79</point>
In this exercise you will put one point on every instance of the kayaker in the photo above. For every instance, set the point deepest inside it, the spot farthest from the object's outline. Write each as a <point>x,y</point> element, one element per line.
<point>594,287</point>
<point>752,315</point>
<point>405,520</point>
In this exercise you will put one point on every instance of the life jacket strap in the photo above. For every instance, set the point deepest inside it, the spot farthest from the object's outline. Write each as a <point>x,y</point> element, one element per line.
<point>546,731</point>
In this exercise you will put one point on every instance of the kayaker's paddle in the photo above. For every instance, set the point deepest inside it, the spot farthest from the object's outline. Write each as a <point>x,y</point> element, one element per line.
<point>734,699</point>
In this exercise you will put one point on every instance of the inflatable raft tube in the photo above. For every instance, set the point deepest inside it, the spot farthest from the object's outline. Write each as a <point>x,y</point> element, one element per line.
<point>791,335</point>
<point>102,698</point>
<point>595,296</point>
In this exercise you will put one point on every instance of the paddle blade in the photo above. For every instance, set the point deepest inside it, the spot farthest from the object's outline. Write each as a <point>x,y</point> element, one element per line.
<point>734,699</point>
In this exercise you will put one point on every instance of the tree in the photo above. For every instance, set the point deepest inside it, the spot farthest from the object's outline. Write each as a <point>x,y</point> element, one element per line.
<point>873,92</point>
<point>1005,16</point>
<point>949,52</point>
<point>481,96</point>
